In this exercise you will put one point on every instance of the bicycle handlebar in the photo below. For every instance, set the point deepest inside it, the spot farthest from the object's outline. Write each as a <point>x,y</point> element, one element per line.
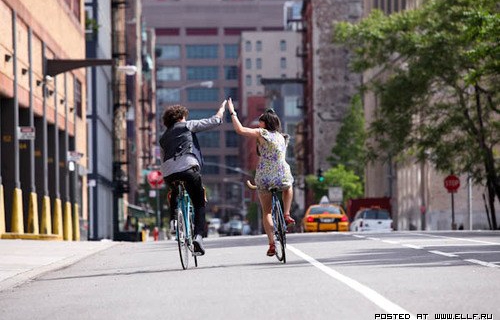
<point>251,186</point>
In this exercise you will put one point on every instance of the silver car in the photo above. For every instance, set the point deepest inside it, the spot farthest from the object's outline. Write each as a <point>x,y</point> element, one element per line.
<point>372,219</point>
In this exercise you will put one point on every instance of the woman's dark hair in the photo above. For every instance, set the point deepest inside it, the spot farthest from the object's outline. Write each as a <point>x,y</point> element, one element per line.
<point>173,114</point>
<point>271,120</point>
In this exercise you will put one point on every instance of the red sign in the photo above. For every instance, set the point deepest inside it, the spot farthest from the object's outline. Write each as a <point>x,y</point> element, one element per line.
<point>155,179</point>
<point>452,183</point>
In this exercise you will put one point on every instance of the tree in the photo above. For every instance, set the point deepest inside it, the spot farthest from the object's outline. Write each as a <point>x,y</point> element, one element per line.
<point>438,92</point>
<point>339,176</point>
<point>349,149</point>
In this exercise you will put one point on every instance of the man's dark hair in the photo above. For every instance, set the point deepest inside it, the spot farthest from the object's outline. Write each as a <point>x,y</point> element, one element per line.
<point>173,114</point>
<point>271,120</point>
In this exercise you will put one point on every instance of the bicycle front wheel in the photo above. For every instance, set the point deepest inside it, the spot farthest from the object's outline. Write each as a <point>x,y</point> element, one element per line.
<point>182,240</point>
<point>280,234</point>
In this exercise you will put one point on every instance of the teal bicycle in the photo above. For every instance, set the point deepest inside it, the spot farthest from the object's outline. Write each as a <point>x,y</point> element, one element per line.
<point>184,226</point>
<point>279,224</point>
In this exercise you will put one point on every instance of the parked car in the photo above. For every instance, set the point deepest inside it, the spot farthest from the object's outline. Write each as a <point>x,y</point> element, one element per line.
<point>325,217</point>
<point>372,219</point>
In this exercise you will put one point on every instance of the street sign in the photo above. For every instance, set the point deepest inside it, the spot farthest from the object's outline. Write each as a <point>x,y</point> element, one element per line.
<point>155,179</point>
<point>452,183</point>
<point>26,133</point>
<point>335,194</point>
<point>74,156</point>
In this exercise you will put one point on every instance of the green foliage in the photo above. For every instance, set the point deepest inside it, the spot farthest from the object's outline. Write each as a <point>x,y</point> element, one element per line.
<point>338,176</point>
<point>349,149</point>
<point>438,84</point>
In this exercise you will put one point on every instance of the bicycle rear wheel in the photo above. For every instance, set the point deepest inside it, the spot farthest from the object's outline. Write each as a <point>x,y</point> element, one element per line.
<point>182,240</point>
<point>280,233</point>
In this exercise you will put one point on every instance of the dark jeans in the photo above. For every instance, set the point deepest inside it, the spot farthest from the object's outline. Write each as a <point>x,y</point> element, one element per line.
<point>194,187</point>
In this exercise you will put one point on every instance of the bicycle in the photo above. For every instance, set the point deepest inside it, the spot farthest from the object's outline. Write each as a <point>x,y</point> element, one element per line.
<point>279,224</point>
<point>184,226</point>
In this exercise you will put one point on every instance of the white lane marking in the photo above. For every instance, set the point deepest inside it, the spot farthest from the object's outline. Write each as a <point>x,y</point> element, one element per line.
<point>358,236</point>
<point>371,238</point>
<point>412,246</point>
<point>369,293</point>
<point>390,241</point>
<point>473,252</point>
<point>483,263</point>
<point>462,239</point>
<point>451,255</point>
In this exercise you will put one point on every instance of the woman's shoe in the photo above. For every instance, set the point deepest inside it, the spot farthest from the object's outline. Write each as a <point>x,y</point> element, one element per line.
<point>289,221</point>
<point>272,250</point>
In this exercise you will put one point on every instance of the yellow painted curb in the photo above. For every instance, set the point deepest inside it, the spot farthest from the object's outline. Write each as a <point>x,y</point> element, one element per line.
<point>68,222</point>
<point>46,226</point>
<point>28,236</point>
<point>57,225</point>
<point>2,211</point>
<point>17,223</point>
<point>76,223</point>
<point>33,214</point>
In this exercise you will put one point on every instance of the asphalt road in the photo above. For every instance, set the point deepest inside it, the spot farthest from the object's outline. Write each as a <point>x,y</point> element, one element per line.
<point>399,275</point>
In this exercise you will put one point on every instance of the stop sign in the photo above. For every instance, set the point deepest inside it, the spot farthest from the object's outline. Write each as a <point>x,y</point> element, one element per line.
<point>452,183</point>
<point>155,179</point>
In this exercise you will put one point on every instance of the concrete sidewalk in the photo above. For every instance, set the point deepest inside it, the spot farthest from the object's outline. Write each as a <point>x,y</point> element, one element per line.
<point>22,260</point>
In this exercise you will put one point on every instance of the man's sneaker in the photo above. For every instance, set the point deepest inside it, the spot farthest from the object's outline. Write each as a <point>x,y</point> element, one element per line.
<point>199,250</point>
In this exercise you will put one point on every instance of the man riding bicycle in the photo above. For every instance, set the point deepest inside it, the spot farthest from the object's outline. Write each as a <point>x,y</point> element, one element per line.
<point>182,161</point>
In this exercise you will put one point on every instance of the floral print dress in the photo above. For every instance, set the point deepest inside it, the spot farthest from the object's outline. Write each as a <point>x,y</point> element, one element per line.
<point>272,169</point>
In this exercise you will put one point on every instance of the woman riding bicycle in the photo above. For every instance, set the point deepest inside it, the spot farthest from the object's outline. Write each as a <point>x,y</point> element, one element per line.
<point>182,161</point>
<point>272,172</point>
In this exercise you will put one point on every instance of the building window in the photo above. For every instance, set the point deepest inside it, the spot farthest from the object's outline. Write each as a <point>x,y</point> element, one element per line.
<point>258,63</point>
<point>231,51</point>
<point>202,73</point>
<point>202,31</point>
<point>203,51</point>
<point>168,74</point>
<point>283,45</point>
<point>167,31</point>
<point>78,98</point>
<point>197,114</point>
<point>202,94</point>
<point>231,92</point>
<point>231,72</point>
<point>210,169</point>
<point>233,162</point>
<point>168,52</point>
<point>258,46</point>
<point>248,63</point>
<point>258,80</point>
<point>209,139</point>
<point>232,139</point>
<point>283,63</point>
<point>168,95</point>
<point>283,76</point>
<point>248,80</point>
<point>291,106</point>
<point>248,46</point>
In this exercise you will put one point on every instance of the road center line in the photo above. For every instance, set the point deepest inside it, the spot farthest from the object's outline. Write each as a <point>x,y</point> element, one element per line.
<point>456,238</point>
<point>370,294</point>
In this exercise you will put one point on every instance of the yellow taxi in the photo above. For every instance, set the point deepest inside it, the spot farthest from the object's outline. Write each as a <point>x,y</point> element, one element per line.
<point>325,217</point>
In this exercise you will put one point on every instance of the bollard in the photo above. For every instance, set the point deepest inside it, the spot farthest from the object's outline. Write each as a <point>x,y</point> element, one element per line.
<point>2,212</point>
<point>76,223</point>
<point>17,212</point>
<point>68,222</point>
<point>33,214</point>
<point>57,223</point>
<point>46,226</point>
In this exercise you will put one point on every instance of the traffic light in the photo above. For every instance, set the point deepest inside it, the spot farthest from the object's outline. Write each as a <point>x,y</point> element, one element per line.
<point>320,175</point>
